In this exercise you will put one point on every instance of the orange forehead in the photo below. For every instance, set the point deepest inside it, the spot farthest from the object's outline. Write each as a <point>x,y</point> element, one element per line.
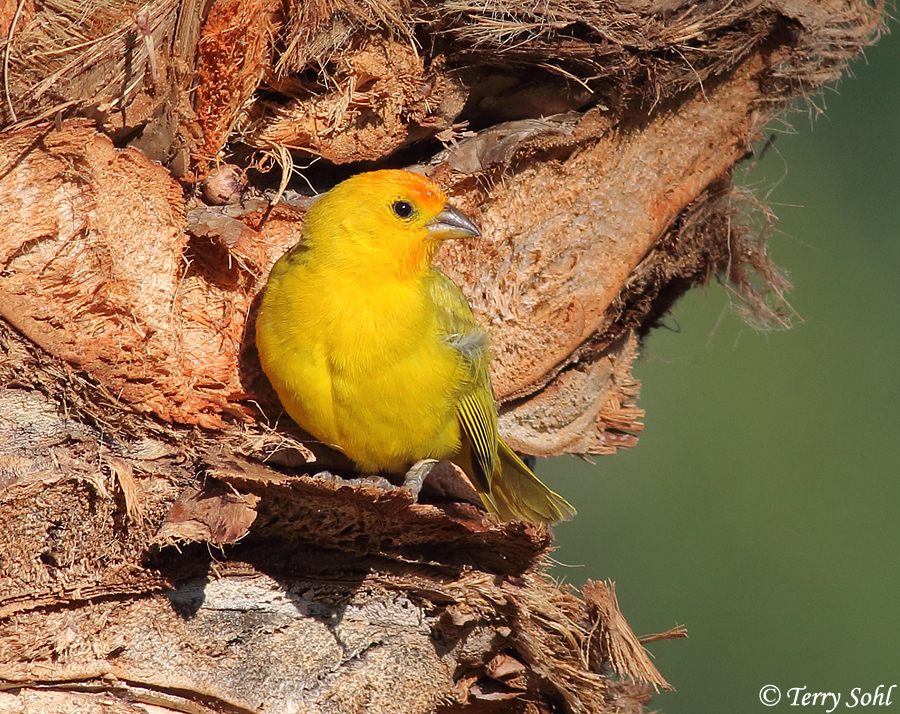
<point>420,190</point>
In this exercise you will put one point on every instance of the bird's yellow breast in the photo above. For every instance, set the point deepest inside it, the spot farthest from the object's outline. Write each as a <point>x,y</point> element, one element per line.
<point>359,362</point>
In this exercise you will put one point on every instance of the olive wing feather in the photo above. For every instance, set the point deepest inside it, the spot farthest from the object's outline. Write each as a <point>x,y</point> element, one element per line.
<point>476,407</point>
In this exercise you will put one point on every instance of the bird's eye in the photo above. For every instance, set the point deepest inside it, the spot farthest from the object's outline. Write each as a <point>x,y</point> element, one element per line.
<point>403,209</point>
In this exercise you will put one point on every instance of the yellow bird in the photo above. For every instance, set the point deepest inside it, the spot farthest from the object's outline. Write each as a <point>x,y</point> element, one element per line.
<point>376,353</point>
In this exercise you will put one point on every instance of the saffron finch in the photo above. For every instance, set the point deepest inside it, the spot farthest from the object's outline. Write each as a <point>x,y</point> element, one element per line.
<point>376,353</point>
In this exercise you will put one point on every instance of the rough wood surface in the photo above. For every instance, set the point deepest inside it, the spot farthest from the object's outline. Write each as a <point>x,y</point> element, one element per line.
<point>171,542</point>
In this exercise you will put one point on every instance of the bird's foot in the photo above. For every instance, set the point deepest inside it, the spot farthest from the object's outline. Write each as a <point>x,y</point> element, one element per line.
<point>415,477</point>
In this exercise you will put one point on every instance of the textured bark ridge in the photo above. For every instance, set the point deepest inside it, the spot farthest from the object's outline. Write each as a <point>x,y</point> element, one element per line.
<point>171,542</point>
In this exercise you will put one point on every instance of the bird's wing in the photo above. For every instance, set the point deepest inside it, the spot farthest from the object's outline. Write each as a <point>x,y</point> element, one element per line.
<point>476,407</point>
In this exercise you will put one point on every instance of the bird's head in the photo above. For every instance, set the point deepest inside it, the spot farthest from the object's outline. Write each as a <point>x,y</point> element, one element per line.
<point>386,220</point>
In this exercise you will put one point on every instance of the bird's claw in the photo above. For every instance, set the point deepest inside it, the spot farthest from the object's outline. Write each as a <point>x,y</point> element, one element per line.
<point>415,477</point>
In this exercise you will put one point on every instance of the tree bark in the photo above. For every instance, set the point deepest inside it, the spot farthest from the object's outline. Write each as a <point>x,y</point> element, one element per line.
<point>172,542</point>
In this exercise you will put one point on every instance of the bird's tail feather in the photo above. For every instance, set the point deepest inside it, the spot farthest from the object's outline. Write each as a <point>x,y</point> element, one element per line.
<point>516,493</point>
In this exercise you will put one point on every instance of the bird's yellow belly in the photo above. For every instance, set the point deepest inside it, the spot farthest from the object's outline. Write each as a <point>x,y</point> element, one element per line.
<point>394,414</point>
<point>382,390</point>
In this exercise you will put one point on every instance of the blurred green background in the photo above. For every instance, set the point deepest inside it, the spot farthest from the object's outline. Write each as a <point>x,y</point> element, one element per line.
<point>760,508</point>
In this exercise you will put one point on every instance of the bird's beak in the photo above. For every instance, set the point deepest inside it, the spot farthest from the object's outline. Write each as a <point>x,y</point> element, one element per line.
<point>451,223</point>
